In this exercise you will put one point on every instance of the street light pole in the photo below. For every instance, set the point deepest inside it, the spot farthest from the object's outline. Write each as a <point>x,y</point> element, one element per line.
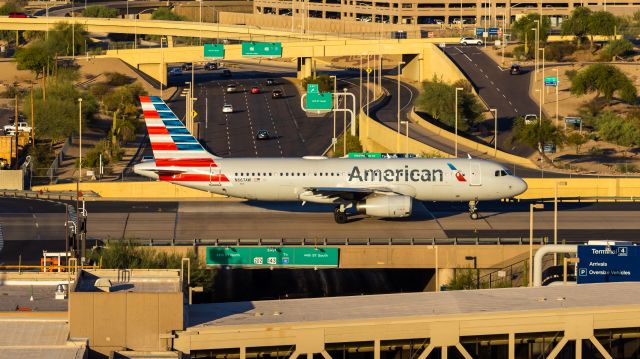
<point>335,104</point>
<point>557,96</point>
<point>398,132</point>
<point>344,122</point>
<point>495,131</point>
<point>367,89</point>
<point>456,122</point>
<point>532,206</point>
<point>555,217</point>
<point>406,139</point>
<point>475,267</point>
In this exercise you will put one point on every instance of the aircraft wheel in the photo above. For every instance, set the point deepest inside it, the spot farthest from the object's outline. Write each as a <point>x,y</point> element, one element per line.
<point>474,215</point>
<point>340,217</point>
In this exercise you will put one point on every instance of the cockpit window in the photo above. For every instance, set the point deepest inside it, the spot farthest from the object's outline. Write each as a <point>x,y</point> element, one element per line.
<point>503,173</point>
<point>500,173</point>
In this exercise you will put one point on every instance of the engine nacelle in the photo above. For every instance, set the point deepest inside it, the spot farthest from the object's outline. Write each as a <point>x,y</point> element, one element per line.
<point>385,206</point>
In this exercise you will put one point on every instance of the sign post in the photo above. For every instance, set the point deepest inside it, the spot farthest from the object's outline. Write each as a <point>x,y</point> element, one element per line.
<point>551,81</point>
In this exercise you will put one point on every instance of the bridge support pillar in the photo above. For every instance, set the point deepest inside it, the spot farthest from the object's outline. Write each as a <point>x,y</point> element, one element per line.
<point>169,41</point>
<point>157,71</point>
<point>305,67</point>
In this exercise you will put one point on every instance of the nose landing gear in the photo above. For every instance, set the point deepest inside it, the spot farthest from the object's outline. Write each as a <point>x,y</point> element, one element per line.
<point>473,210</point>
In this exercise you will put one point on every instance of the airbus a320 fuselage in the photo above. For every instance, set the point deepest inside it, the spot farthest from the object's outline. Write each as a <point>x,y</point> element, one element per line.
<point>375,187</point>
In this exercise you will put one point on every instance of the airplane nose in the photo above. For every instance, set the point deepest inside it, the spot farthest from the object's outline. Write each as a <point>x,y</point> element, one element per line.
<point>520,186</point>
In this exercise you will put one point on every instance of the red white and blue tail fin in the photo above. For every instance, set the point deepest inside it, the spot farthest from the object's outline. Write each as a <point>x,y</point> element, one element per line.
<point>171,142</point>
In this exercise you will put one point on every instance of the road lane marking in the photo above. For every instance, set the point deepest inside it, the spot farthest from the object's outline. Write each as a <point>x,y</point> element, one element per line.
<point>498,89</point>
<point>503,95</point>
<point>493,83</point>
<point>468,58</point>
<point>510,103</point>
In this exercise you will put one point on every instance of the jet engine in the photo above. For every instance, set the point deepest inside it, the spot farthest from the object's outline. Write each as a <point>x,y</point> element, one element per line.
<point>385,206</point>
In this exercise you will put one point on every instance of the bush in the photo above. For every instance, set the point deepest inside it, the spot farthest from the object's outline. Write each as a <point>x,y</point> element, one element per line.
<point>353,145</point>
<point>325,83</point>
<point>520,55</point>
<point>117,79</point>
<point>616,48</point>
<point>576,139</point>
<point>124,99</point>
<point>100,11</point>
<point>126,255</point>
<point>617,129</point>
<point>558,51</point>
<point>463,279</point>
<point>108,151</point>
<point>571,74</point>
<point>164,13</point>
<point>626,168</point>
<point>12,91</point>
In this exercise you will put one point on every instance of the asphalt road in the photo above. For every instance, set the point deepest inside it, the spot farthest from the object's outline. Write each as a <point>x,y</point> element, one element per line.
<point>30,226</point>
<point>234,134</point>
<point>509,94</point>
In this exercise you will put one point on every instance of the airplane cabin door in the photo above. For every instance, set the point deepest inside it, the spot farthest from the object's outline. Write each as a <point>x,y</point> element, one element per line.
<point>475,174</point>
<point>214,175</point>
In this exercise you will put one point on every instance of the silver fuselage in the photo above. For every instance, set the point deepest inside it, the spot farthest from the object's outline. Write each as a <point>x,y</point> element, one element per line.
<point>291,179</point>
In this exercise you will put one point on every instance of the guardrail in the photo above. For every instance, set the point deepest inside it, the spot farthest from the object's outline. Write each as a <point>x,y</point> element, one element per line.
<point>237,242</point>
<point>69,196</point>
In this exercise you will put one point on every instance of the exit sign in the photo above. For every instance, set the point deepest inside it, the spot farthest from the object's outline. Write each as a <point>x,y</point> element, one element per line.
<point>213,51</point>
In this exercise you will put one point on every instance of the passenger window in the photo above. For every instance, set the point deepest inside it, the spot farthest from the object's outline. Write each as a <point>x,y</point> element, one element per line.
<point>497,174</point>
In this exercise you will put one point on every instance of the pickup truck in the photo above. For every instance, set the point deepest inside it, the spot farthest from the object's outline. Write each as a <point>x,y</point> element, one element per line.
<point>22,127</point>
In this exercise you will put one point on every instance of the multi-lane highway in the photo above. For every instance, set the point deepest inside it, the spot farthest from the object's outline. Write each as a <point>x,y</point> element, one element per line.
<point>498,88</point>
<point>32,225</point>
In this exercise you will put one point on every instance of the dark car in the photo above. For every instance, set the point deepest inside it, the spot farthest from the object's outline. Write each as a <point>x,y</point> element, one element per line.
<point>515,70</point>
<point>263,135</point>
<point>277,94</point>
<point>226,73</point>
<point>186,66</point>
<point>210,66</point>
<point>270,82</point>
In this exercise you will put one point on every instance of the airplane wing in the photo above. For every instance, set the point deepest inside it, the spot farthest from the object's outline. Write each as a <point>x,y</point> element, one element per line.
<point>348,193</point>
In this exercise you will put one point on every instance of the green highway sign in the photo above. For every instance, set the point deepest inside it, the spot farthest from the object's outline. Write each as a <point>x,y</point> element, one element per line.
<point>320,101</point>
<point>327,257</point>
<point>317,100</point>
<point>313,89</point>
<point>551,81</point>
<point>213,51</point>
<point>261,49</point>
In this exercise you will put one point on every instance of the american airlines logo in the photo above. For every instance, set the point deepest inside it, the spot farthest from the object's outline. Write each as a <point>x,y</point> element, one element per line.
<point>405,174</point>
<point>459,175</point>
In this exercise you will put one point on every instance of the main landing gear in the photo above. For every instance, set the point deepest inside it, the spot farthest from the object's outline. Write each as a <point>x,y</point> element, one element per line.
<point>473,210</point>
<point>340,214</point>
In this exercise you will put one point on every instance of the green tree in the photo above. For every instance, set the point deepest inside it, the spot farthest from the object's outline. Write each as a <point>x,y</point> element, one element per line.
<point>9,7</point>
<point>577,24</point>
<point>324,82</point>
<point>604,79</point>
<point>463,279</point>
<point>438,100</point>
<point>576,139</point>
<point>537,134</point>
<point>602,23</point>
<point>64,37</point>
<point>123,100</point>
<point>522,29</point>
<point>164,13</point>
<point>58,117</point>
<point>35,57</point>
<point>100,11</point>
<point>616,48</point>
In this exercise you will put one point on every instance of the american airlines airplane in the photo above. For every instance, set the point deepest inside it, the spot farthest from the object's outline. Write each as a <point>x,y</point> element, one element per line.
<point>374,187</point>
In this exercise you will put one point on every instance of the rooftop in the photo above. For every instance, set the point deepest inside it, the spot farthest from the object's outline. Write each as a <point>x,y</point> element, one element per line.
<point>39,337</point>
<point>414,304</point>
<point>130,280</point>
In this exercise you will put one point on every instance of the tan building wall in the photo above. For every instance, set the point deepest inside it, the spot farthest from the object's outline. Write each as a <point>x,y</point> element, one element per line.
<point>125,320</point>
<point>211,9</point>
<point>11,179</point>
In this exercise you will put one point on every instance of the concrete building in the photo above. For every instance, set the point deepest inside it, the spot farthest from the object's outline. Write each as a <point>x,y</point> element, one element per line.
<point>431,13</point>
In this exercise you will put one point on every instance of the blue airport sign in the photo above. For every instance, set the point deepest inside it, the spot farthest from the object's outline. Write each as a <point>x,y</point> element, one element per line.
<point>493,31</point>
<point>600,264</point>
<point>479,31</point>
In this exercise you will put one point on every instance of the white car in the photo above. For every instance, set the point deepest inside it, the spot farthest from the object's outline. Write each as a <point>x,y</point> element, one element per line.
<point>530,119</point>
<point>470,41</point>
<point>22,127</point>
<point>231,88</point>
<point>175,71</point>
<point>226,108</point>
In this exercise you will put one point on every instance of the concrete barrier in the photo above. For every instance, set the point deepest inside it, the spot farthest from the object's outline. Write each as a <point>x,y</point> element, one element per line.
<point>134,190</point>
<point>11,179</point>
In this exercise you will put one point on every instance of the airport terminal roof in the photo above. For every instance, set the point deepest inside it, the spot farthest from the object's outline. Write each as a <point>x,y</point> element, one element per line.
<point>39,337</point>
<point>414,304</point>
<point>18,298</point>
<point>132,280</point>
